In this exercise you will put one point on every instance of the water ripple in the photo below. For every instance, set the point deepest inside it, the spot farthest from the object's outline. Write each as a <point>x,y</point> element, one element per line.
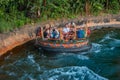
<point>71,73</point>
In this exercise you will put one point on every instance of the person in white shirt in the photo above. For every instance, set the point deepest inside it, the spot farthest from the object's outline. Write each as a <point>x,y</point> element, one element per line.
<point>66,31</point>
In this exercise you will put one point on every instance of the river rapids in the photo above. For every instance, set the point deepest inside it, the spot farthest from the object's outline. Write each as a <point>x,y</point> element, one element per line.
<point>101,62</point>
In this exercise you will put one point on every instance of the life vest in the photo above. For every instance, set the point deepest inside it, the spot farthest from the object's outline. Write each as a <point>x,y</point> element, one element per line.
<point>88,32</point>
<point>80,34</point>
<point>55,34</point>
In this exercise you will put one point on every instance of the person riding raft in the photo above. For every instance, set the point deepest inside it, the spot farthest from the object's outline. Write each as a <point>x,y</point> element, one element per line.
<point>54,34</point>
<point>67,33</point>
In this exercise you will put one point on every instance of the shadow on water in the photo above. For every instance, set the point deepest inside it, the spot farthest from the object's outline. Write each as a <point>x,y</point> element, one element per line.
<point>102,62</point>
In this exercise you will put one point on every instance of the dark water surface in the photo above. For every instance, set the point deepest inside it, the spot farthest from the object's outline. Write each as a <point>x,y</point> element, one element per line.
<point>102,62</point>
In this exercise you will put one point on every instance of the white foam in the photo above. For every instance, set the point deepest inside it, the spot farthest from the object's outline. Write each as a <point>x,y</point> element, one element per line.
<point>112,48</point>
<point>78,56</point>
<point>115,43</point>
<point>31,58</point>
<point>71,73</point>
<point>82,57</point>
<point>106,37</point>
<point>12,74</point>
<point>96,47</point>
<point>97,51</point>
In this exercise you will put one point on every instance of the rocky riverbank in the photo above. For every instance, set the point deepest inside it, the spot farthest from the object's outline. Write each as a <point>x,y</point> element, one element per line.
<point>28,32</point>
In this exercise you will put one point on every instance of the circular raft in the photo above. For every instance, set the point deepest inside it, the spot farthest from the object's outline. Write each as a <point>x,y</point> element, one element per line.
<point>67,47</point>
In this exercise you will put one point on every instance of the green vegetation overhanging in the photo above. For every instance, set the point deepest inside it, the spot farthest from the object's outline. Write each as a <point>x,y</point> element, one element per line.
<point>16,13</point>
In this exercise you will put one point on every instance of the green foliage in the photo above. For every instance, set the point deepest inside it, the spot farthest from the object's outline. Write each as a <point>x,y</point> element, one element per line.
<point>16,13</point>
<point>96,8</point>
<point>77,6</point>
<point>114,6</point>
<point>56,8</point>
<point>5,26</point>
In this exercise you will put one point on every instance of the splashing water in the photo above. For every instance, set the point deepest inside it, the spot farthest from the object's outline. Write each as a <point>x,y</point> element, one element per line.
<point>71,73</point>
<point>100,63</point>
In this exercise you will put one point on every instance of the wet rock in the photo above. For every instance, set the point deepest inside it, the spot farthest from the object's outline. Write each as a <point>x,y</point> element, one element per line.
<point>106,20</point>
<point>118,19</point>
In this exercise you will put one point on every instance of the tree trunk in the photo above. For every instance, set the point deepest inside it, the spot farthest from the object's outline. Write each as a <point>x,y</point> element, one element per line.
<point>44,2</point>
<point>107,5</point>
<point>87,7</point>
<point>38,13</point>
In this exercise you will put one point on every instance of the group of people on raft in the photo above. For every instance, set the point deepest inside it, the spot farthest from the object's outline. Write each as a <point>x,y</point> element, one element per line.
<point>69,32</point>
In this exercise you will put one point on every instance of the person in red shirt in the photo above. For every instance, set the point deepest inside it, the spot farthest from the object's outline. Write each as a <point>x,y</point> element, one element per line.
<point>88,32</point>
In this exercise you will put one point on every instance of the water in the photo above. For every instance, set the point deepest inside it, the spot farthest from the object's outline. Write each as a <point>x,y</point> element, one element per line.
<point>101,62</point>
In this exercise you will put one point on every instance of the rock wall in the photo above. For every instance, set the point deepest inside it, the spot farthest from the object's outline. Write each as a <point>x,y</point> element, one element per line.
<point>28,32</point>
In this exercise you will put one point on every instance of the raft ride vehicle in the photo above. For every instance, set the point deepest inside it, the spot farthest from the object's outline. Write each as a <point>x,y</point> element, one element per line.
<point>61,45</point>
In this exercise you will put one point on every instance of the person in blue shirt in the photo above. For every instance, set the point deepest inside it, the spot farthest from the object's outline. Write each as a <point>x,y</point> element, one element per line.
<point>80,33</point>
<point>54,33</point>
